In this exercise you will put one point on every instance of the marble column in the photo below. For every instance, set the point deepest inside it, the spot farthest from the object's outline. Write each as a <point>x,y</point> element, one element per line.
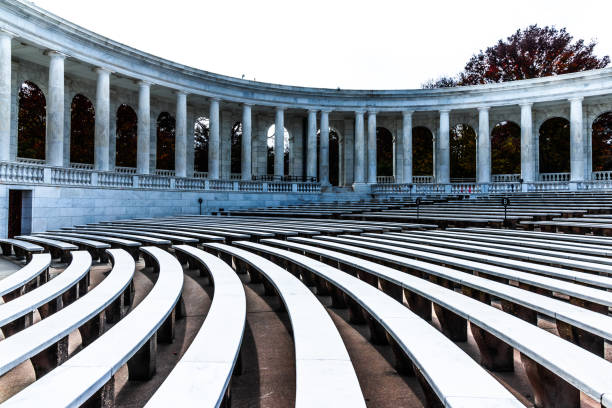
<point>54,151</point>
<point>371,147</point>
<point>102,128</point>
<point>528,162</point>
<point>578,158</point>
<point>311,142</point>
<point>5,96</point>
<point>359,146</point>
<point>213,141</point>
<point>279,143</point>
<point>246,168</point>
<point>144,128</point>
<point>483,166</point>
<point>443,149</point>
<point>180,135</point>
<point>324,149</point>
<point>407,147</point>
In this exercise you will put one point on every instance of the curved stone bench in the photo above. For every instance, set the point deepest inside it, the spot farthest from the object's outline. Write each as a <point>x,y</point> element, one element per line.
<point>181,225</point>
<point>175,239</point>
<point>34,273</point>
<point>89,375</point>
<point>203,374</point>
<point>537,271</point>
<point>447,374</point>
<point>544,235</point>
<point>324,373</point>
<point>59,249</point>
<point>169,230</point>
<point>587,328</point>
<point>21,248</point>
<point>575,251</point>
<point>557,369</point>
<point>588,263</point>
<point>96,248</point>
<point>45,343</point>
<point>127,245</point>
<point>62,290</point>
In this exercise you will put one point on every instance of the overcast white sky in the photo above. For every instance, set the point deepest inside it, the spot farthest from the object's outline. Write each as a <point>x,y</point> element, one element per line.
<point>376,44</point>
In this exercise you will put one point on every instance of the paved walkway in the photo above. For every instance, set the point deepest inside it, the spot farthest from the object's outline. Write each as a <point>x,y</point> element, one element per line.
<point>7,267</point>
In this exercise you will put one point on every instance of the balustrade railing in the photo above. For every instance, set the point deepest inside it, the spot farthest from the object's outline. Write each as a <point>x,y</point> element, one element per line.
<point>30,161</point>
<point>167,173</point>
<point>19,172</point>
<point>28,173</point>
<point>200,174</point>
<point>125,170</point>
<point>601,175</point>
<point>554,177</point>
<point>505,178</point>
<point>83,166</point>
<point>385,179</point>
<point>422,179</point>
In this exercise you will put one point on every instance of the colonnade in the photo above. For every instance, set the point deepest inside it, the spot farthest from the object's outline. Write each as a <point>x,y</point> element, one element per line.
<point>364,137</point>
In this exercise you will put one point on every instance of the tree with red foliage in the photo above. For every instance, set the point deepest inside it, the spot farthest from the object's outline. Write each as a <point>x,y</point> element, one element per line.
<point>530,53</point>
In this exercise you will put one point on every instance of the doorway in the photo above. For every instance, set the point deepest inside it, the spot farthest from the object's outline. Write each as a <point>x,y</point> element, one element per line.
<point>19,212</point>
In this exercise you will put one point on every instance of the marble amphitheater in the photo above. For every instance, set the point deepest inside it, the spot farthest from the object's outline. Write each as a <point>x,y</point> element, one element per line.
<point>155,270</point>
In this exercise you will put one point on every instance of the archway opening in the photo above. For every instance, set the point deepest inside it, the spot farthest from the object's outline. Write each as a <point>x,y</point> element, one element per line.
<point>201,133</point>
<point>31,122</point>
<point>422,148</point>
<point>236,148</point>
<point>166,128</point>
<point>127,137</point>
<point>82,129</point>
<point>602,142</point>
<point>334,156</point>
<point>506,148</point>
<point>555,146</point>
<point>271,152</point>
<point>384,152</point>
<point>462,153</point>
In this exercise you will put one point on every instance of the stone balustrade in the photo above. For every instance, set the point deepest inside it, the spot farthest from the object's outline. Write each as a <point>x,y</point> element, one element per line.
<point>505,178</point>
<point>422,179</point>
<point>26,173</point>
<point>554,176</point>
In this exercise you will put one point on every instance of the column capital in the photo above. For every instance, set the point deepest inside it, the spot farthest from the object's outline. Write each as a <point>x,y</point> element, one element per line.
<point>178,92</point>
<point>326,111</point>
<point>526,104</point>
<point>280,108</point>
<point>55,54</point>
<point>214,99</point>
<point>445,110</point>
<point>483,108</point>
<point>315,111</point>
<point>360,111</point>
<point>102,70</point>
<point>247,105</point>
<point>576,99</point>
<point>372,111</point>
<point>5,33</point>
<point>407,112</point>
<point>143,82</point>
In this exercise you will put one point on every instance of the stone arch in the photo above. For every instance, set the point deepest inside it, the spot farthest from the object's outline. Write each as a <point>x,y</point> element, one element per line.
<point>82,130</point>
<point>601,142</point>
<point>506,148</point>
<point>271,152</point>
<point>462,147</point>
<point>422,151</point>
<point>554,145</point>
<point>166,129</point>
<point>31,121</point>
<point>201,132</point>
<point>127,136</point>
<point>236,148</point>
<point>384,151</point>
